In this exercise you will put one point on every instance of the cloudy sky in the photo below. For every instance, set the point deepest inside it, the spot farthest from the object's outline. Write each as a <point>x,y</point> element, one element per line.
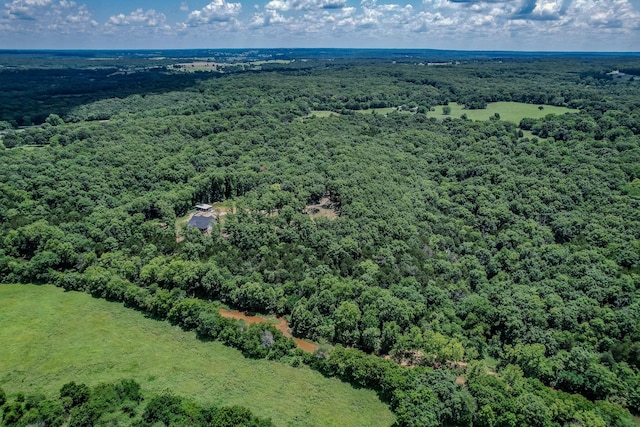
<point>566,25</point>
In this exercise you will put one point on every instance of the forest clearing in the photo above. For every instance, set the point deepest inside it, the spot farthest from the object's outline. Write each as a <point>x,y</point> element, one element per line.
<point>512,112</point>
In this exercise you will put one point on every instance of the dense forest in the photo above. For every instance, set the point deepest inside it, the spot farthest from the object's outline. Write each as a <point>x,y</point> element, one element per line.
<point>480,273</point>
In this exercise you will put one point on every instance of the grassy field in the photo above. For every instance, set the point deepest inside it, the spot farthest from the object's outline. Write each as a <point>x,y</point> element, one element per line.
<point>50,337</point>
<point>509,111</point>
<point>385,110</point>
<point>323,113</point>
<point>528,134</point>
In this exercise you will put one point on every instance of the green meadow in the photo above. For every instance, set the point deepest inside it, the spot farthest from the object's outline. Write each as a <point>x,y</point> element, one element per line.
<point>50,337</point>
<point>508,111</point>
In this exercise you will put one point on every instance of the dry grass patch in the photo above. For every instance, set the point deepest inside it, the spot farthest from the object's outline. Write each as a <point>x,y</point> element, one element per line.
<point>325,208</point>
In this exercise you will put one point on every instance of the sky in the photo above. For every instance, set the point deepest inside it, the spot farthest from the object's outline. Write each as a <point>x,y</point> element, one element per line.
<point>529,25</point>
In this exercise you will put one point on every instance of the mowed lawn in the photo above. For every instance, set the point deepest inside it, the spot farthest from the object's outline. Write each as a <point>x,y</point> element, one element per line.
<point>509,111</point>
<point>49,337</point>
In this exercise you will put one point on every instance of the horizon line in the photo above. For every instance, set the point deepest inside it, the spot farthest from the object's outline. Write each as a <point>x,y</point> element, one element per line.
<point>2,50</point>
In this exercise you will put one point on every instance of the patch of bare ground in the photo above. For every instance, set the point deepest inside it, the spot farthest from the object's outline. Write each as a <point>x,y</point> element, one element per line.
<point>324,208</point>
<point>282,326</point>
<point>415,358</point>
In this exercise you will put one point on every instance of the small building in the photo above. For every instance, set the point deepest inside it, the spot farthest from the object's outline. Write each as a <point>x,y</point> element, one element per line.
<point>204,208</point>
<point>201,222</point>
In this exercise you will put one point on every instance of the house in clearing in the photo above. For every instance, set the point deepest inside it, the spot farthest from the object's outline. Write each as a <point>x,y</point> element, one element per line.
<point>201,222</point>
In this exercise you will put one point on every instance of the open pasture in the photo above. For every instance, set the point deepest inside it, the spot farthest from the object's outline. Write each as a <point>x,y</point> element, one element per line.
<point>50,337</point>
<point>508,111</point>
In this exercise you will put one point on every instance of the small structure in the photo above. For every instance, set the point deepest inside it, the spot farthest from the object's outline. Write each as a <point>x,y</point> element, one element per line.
<point>201,222</point>
<point>204,208</point>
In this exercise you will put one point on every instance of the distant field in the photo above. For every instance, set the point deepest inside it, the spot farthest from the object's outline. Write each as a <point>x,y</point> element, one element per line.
<point>385,110</point>
<point>219,66</point>
<point>196,66</point>
<point>271,61</point>
<point>50,337</point>
<point>323,113</point>
<point>509,111</point>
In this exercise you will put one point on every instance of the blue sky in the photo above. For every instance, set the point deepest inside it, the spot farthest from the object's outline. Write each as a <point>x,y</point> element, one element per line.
<point>567,25</point>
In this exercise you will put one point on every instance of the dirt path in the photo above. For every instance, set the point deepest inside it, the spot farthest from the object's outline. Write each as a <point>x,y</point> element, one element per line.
<point>282,326</point>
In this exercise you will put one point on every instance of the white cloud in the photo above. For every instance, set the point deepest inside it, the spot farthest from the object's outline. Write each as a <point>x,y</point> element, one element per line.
<point>71,17</point>
<point>544,10</point>
<point>385,18</point>
<point>428,21</point>
<point>286,5</point>
<point>216,11</point>
<point>37,16</point>
<point>461,24</point>
<point>598,15</point>
<point>488,24</point>
<point>27,9</point>
<point>139,17</point>
<point>267,18</point>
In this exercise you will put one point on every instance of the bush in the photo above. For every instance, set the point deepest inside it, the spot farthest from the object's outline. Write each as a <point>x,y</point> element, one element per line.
<point>74,394</point>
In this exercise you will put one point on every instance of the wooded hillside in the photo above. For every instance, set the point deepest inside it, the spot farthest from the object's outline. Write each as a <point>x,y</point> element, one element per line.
<point>504,255</point>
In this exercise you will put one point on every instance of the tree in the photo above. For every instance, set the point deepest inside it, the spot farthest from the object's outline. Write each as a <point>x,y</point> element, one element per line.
<point>165,408</point>
<point>486,417</point>
<point>73,394</point>
<point>532,410</point>
<point>128,390</point>
<point>371,340</point>
<point>588,418</point>
<point>446,110</point>
<point>12,412</point>
<point>54,120</point>
<point>10,139</point>
<point>390,335</point>
<point>231,416</point>
<point>416,407</point>
<point>347,316</point>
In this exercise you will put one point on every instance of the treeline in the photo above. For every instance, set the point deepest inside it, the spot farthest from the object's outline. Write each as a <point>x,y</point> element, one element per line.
<point>118,403</point>
<point>89,93</point>
<point>31,94</point>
